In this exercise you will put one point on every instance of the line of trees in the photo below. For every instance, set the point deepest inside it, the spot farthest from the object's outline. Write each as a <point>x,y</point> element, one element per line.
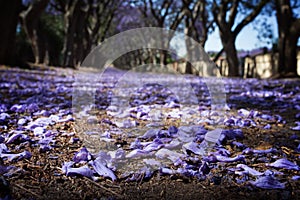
<point>63,32</point>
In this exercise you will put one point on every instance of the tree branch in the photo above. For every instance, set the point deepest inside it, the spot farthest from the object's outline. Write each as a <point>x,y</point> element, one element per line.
<point>233,12</point>
<point>249,18</point>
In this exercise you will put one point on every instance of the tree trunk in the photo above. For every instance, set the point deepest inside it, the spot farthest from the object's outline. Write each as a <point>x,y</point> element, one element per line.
<point>231,53</point>
<point>30,19</point>
<point>70,21</point>
<point>290,56</point>
<point>9,11</point>
<point>289,32</point>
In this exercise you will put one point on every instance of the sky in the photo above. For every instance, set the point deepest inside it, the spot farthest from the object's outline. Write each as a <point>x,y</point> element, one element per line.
<point>246,39</point>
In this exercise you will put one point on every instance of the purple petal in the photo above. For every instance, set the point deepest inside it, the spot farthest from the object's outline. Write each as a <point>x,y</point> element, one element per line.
<point>152,162</point>
<point>38,131</point>
<point>296,178</point>
<point>266,117</point>
<point>152,133</point>
<point>256,151</point>
<point>163,134</point>
<point>104,157</point>
<point>137,153</point>
<point>243,112</point>
<point>4,117</point>
<point>268,182</point>
<point>268,126</point>
<point>213,136</point>
<point>284,163</point>
<point>82,155</point>
<point>153,146</point>
<point>102,170</point>
<point>18,108</point>
<point>238,144</point>
<point>16,156</point>
<point>173,144</point>
<point>193,147</point>
<point>2,139</point>
<point>33,107</point>
<point>5,169</point>
<point>249,170</point>
<point>171,155</point>
<point>3,148</point>
<point>204,168</point>
<point>17,136</point>
<point>210,159</point>
<point>222,151</point>
<point>227,159</point>
<point>165,170</point>
<point>173,130</point>
<point>22,121</point>
<point>70,171</point>
<point>136,144</point>
<point>296,128</point>
<point>44,148</point>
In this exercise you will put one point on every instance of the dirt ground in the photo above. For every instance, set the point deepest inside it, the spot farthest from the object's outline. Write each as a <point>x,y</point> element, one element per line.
<point>41,177</point>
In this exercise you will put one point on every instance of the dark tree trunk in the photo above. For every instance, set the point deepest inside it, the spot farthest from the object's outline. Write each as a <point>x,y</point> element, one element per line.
<point>70,23</point>
<point>290,55</point>
<point>231,55</point>
<point>289,32</point>
<point>30,19</point>
<point>9,11</point>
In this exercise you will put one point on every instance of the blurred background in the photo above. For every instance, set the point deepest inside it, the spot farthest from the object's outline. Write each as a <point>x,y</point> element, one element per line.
<point>256,38</point>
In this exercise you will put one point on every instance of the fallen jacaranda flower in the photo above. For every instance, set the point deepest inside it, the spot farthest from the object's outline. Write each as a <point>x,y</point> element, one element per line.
<point>3,148</point>
<point>137,153</point>
<point>5,169</point>
<point>38,131</point>
<point>247,170</point>
<point>82,155</point>
<point>238,144</point>
<point>204,168</point>
<point>4,117</point>
<point>71,171</point>
<point>155,145</point>
<point>136,144</point>
<point>256,151</point>
<point>18,108</point>
<point>213,158</point>
<point>18,136</point>
<point>173,130</point>
<point>222,151</point>
<point>268,126</point>
<point>229,159</point>
<point>152,133</point>
<point>284,163</point>
<point>44,148</point>
<point>152,162</point>
<point>2,139</point>
<point>21,121</point>
<point>165,170</point>
<point>193,147</point>
<point>16,156</point>
<point>102,170</point>
<point>296,178</point>
<point>171,155</point>
<point>243,112</point>
<point>268,182</point>
<point>173,144</point>
<point>296,128</point>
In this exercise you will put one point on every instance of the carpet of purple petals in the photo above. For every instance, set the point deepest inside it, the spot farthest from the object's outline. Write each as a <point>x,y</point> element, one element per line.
<point>42,156</point>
